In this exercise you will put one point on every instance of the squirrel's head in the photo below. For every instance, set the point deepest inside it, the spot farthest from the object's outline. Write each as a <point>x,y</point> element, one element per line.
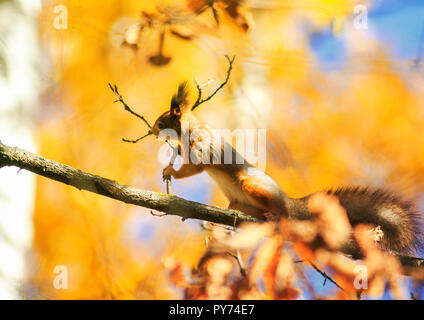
<point>171,118</point>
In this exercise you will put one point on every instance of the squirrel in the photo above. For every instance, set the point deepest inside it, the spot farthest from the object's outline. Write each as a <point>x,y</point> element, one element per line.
<point>253,192</point>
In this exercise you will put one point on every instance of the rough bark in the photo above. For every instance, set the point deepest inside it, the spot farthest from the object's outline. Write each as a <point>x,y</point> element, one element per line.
<point>168,204</point>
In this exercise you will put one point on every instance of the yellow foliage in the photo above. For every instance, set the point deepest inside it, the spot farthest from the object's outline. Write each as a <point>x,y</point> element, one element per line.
<point>322,131</point>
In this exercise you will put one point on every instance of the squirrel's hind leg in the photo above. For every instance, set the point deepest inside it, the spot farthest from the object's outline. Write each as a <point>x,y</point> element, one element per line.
<point>265,197</point>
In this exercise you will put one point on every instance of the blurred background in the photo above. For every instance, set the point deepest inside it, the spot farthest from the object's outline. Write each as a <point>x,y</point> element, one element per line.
<point>338,84</point>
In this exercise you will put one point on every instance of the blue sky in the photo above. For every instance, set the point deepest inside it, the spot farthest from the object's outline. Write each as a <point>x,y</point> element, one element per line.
<point>399,25</point>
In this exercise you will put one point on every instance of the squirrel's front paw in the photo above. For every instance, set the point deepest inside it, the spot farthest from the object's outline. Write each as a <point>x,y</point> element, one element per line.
<point>168,172</point>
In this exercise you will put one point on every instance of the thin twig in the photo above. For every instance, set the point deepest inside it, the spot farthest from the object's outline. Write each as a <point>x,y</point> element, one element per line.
<point>137,140</point>
<point>127,108</point>
<point>237,256</point>
<point>199,99</point>
<point>171,163</point>
<point>240,262</point>
<point>114,89</point>
<point>326,276</point>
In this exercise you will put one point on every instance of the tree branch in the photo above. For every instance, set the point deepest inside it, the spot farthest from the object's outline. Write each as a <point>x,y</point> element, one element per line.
<point>169,204</point>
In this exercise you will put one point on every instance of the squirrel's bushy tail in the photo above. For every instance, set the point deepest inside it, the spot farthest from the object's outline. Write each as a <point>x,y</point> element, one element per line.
<point>399,220</point>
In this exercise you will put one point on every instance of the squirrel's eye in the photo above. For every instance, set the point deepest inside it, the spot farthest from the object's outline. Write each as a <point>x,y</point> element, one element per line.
<point>160,125</point>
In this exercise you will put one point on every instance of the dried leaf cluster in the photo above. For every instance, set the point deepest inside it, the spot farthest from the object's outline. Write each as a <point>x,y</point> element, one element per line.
<point>268,261</point>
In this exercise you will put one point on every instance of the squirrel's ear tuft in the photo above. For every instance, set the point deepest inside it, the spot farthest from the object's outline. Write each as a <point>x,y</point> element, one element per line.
<point>180,99</point>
